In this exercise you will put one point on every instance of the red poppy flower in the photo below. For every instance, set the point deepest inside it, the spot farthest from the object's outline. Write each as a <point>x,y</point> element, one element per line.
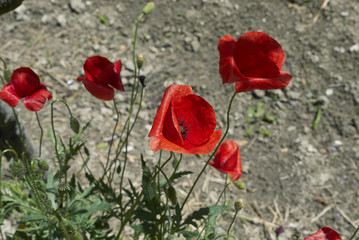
<point>227,159</point>
<point>254,61</point>
<point>25,84</point>
<point>102,76</point>
<point>324,233</point>
<point>184,123</point>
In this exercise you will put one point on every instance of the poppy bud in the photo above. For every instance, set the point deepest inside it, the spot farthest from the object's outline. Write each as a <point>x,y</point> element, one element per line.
<point>43,165</point>
<point>148,8</point>
<point>239,204</point>
<point>7,75</point>
<point>171,194</point>
<point>63,188</point>
<point>241,185</point>
<point>74,124</point>
<point>17,169</point>
<point>139,60</point>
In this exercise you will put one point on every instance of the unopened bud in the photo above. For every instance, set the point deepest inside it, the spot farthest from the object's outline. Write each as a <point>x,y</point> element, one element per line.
<point>241,185</point>
<point>74,124</point>
<point>142,80</point>
<point>171,194</point>
<point>148,8</point>
<point>17,169</point>
<point>139,60</point>
<point>43,165</point>
<point>239,204</point>
<point>63,188</point>
<point>7,74</point>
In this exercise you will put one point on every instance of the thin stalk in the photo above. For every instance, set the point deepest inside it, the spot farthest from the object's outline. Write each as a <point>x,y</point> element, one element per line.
<point>229,228</point>
<point>224,192</point>
<point>352,237</point>
<point>41,132</point>
<point>2,79</point>
<point>212,155</point>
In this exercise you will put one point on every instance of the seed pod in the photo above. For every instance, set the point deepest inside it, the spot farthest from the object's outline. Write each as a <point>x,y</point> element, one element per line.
<point>63,188</point>
<point>43,165</point>
<point>171,194</point>
<point>239,204</point>
<point>9,5</point>
<point>7,74</point>
<point>241,185</point>
<point>74,124</point>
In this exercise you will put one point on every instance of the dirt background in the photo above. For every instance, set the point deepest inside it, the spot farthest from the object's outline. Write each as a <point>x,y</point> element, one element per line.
<point>300,178</point>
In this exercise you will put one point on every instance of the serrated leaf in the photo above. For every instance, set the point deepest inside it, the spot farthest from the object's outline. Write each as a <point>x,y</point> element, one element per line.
<point>214,211</point>
<point>34,217</point>
<point>197,215</point>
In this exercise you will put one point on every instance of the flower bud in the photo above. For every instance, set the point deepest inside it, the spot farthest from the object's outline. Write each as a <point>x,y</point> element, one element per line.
<point>17,169</point>
<point>7,75</point>
<point>63,188</point>
<point>43,165</point>
<point>171,194</point>
<point>139,60</point>
<point>239,204</point>
<point>142,80</point>
<point>241,185</point>
<point>74,124</point>
<point>148,8</point>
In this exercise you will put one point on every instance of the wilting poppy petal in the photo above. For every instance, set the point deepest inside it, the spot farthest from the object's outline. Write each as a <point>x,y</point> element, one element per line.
<point>100,75</point>
<point>25,81</point>
<point>94,66</point>
<point>184,123</point>
<point>254,61</point>
<point>103,92</point>
<point>324,233</point>
<point>227,159</point>
<point>8,95</point>
<point>36,101</point>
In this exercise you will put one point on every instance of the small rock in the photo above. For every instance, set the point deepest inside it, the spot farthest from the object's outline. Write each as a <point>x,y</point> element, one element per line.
<point>258,93</point>
<point>344,14</point>
<point>354,48</point>
<point>293,95</point>
<point>322,101</point>
<point>329,92</point>
<point>45,19</point>
<point>339,49</point>
<point>129,149</point>
<point>61,20</point>
<point>195,45</point>
<point>77,6</point>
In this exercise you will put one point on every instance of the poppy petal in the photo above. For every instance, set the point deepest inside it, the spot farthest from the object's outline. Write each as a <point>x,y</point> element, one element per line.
<point>160,142</point>
<point>253,54</point>
<point>171,129</point>
<point>25,81</point>
<point>100,91</point>
<point>36,101</point>
<point>94,66</point>
<point>227,65</point>
<point>116,82</point>
<point>198,117</point>
<point>8,95</point>
<point>171,92</point>
<point>252,83</point>
<point>324,233</point>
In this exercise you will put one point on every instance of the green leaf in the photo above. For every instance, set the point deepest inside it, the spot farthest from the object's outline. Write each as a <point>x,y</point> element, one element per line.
<point>104,20</point>
<point>197,215</point>
<point>214,211</point>
<point>317,118</point>
<point>34,217</point>
<point>189,234</point>
<point>147,186</point>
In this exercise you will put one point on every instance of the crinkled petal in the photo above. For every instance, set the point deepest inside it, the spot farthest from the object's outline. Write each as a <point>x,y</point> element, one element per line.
<point>173,91</point>
<point>94,66</point>
<point>198,117</point>
<point>253,83</point>
<point>257,55</point>
<point>160,142</point>
<point>324,233</point>
<point>116,82</point>
<point>227,66</point>
<point>8,95</point>
<point>102,92</point>
<point>25,81</point>
<point>36,101</point>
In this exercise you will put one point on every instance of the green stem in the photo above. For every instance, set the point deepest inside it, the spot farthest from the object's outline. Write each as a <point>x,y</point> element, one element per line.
<point>113,132</point>
<point>212,155</point>
<point>41,134</point>
<point>229,228</point>
<point>352,237</point>
<point>224,192</point>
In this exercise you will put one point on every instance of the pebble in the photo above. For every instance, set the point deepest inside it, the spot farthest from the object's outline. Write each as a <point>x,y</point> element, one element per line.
<point>45,19</point>
<point>322,101</point>
<point>77,6</point>
<point>339,49</point>
<point>329,92</point>
<point>195,45</point>
<point>354,48</point>
<point>344,14</point>
<point>258,93</point>
<point>61,20</point>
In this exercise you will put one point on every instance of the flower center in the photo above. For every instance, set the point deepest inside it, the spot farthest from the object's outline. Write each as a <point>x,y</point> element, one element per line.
<point>184,128</point>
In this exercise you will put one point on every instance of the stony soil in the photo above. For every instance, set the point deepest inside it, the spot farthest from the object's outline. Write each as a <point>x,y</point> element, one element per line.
<point>298,177</point>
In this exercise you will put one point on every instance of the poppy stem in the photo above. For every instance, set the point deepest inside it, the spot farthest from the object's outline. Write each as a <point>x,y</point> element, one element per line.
<point>352,237</point>
<point>229,228</point>
<point>2,79</point>
<point>212,155</point>
<point>113,133</point>
<point>41,134</point>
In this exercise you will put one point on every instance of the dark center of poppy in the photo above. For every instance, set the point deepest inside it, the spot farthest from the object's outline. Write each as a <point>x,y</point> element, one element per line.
<point>184,128</point>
